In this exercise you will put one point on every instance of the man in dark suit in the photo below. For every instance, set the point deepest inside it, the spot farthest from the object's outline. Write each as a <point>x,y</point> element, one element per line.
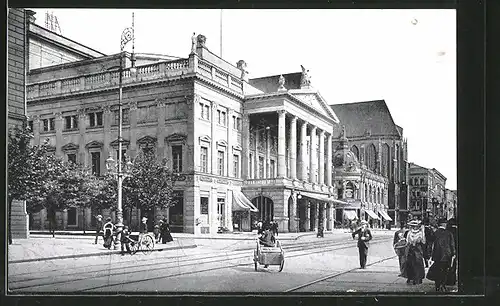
<point>98,227</point>
<point>364,236</point>
<point>442,254</point>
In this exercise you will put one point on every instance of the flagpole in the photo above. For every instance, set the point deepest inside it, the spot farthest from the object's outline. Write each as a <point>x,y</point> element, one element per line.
<point>221,33</point>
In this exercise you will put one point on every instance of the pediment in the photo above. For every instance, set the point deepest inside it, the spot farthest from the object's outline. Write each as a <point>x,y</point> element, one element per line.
<point>237,147</point>
<point>176,137</point>
<point>146,139</point>
<point>222,143</point>
<point>314,100</point>
<point>205,138</point>
<point>70,147</point>
<point>94,144</point>
<point>114,143</point>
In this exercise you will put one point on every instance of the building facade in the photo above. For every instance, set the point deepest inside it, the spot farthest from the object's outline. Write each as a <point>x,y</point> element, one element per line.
<point>243,144</point>
<point>16,98</point>
<point>451,204</point>
<point>427,192</point>
<point>379,153</point>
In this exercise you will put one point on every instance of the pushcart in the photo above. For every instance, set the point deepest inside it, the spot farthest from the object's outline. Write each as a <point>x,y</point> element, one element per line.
<point>267,256</point>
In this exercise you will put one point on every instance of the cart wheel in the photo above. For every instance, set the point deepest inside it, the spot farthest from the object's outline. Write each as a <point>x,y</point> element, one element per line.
<point>147,245</point>
<point>134,247</point>
<point>282,264</point>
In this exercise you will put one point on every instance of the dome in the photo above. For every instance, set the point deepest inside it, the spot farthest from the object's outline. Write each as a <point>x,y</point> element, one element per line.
<point>345,159</point>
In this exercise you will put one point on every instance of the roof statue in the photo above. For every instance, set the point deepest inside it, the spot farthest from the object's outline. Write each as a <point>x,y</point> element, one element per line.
<point>201,41</point>
<point>343,135</point>
<point>305,80</point>
<point>281,82</point>
<point>193,43</point>
<point>242,65</point>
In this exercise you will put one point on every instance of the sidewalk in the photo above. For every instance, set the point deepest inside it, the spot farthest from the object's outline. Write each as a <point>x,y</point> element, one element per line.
<point>48,248</point>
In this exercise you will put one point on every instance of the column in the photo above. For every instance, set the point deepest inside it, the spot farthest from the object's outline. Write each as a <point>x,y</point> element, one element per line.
<point>59,128</point>
<point>281,144</point>
<point>303,151</point>
<point>107,117</point>
<point>160,130</point>
<point>81,128</point>
<point>316,217</point>
<point>256,155</point>
<point>325,216</point>
<point>133,128</point>
<point>321,172</point>
<point>307,224</point>
<point>245,156</point>
<point>229,149</point>
<point>313,157</point>
<point>267,163</point>
<point>213,145</point>
<point>329,162</point>
<point>36,130</point>
<point>293,148</point>
<point>293,214</point>
<point>329,224</point>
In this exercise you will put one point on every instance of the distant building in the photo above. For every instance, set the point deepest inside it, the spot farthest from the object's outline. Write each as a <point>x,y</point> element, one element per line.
<point>451,204</point>
<point>371,162</point>
<point>244,144</point>
<point>16,97</point>
<point>427,192</point>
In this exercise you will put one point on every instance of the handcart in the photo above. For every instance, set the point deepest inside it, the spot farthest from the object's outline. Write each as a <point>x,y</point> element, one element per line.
<point>267,256</point>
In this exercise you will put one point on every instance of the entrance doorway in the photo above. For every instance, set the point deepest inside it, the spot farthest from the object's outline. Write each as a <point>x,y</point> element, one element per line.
<point>266,208</point>
<point>302,216</point>
<point>176,212</point>
<point>313,216</point>
<point>221,212</point>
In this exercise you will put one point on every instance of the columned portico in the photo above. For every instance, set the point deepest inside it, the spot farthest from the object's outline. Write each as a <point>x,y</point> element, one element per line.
<point>293,148</point>
<point>281,144</point>
<point>313,156</point>
<point>329,162</point>
<point>303,152</point>
<point>321,172</point>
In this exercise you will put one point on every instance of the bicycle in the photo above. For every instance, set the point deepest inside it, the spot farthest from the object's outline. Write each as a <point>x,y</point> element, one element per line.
<point>145,243</point>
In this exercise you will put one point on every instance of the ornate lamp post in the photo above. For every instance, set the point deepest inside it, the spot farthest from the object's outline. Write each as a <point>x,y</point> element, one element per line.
<point>127,36</point>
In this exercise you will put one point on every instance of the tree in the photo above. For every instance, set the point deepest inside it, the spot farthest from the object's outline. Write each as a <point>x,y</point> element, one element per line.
<point>149,185</point>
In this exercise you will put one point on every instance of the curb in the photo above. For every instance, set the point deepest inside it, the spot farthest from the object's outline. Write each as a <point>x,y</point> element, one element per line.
<point>95,254</point>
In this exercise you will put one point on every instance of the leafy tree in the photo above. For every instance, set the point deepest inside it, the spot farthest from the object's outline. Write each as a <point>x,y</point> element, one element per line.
<point>149,185</point>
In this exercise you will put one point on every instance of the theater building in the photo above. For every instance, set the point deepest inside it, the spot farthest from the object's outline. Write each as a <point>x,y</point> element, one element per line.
<point>251,149</point>
<point>370,163</point>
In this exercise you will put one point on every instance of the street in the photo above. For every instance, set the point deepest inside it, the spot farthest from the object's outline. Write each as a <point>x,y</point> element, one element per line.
<point>315,265</point>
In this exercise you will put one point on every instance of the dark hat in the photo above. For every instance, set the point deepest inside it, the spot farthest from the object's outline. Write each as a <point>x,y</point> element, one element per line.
<point>442,221</point>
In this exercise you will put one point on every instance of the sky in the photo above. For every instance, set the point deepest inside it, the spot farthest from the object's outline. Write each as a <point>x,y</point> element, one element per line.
<point>406,57</point>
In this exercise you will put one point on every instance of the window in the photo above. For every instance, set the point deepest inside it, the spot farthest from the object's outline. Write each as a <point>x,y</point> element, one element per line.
<point>30,125</point>
<point>238,124</point>
<point>236,165</point>
<point>177,158</point>
<point>422,181</point>
<point>124,153</point>
<point>95,119</point>
<point>70,122</point>
<point>272,169</point>
<point>223,115</point>
<point>261,167</point>
<point>72,158</point>
<point>234,123</point>
<point>219,118</point>
<point>49,124</point>
<point>146,114</point>
<point>125,117</point>
<point>207,112</point>
<point>96,163</point>
<point>204,159</point>
<point>147,150</point>
<point>220,162</point>
<point>204,205</point>
<point>250,166</point>
<point>72,218</point>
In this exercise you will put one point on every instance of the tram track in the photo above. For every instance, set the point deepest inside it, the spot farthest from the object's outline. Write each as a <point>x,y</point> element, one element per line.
<point>187,261</point>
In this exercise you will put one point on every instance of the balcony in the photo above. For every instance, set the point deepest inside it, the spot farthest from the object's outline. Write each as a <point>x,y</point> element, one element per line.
<point>289,183</point>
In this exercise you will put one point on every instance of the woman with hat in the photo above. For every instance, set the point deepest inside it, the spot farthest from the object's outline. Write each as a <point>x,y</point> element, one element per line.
<point>364,236</point>
<point>443,254</point>
<point>108,229</point>
<point>414,270</point>
<point>165,232</point>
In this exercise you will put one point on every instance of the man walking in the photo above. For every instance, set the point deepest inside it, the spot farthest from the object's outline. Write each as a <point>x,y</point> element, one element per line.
<point>442,254</point>
<point>98,227</point>
<point>400,244</point>
<point>364,236</point>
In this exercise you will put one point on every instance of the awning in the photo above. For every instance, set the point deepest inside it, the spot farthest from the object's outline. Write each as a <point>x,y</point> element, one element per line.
<point>350,214</point>
<point>385,215</point>
<point>323,198</point>
<point>241,203</point>
<point>371,214</point>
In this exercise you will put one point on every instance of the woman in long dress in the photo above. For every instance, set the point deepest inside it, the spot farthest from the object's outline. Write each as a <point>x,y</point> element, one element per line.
<point>414,270</point>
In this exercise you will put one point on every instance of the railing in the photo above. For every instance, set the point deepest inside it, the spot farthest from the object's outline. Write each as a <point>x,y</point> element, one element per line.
<point>145,72</point>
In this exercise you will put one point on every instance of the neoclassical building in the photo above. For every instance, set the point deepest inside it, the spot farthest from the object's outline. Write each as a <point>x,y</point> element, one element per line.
<point>371,163</point>
<point>261,145</point>
<point>427,192</point>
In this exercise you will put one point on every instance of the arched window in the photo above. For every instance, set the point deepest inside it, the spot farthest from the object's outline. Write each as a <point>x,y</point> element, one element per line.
<point>386,160</point>
<point>371,195</point>
<point>355,150</point>
<point>371,157</point>
<point>378,196</point>
<point>366,193</point>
